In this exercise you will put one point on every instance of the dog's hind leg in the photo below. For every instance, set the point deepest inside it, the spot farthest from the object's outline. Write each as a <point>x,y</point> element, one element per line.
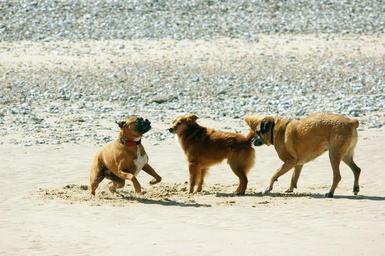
<point>116,183</point>
<point>96,176</point>
<point>348,159</point>
<point>194,170</point>
<point>201,178</point>
<point>335,160</point>
<point>356,171</point>
<point>240,164</point>
<point>278,173</point>
<point>241,174</point>
<point>294,178</point>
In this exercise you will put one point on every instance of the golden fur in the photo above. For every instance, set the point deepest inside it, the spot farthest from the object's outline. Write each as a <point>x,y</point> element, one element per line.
<point>205,147</point>
<point>300,141</point>
<point>117,161</point>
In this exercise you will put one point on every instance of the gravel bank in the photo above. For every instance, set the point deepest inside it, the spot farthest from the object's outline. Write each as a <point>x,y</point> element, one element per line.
<point>49,20</point>
<point>66,92</point>
<point>69,69</point>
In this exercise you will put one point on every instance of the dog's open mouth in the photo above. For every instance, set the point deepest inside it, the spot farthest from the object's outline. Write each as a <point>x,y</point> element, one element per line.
<point>142,125</point>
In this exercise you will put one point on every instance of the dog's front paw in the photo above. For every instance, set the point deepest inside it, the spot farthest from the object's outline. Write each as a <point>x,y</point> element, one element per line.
<point>267,190</point>
<point>289,190</point>
<point>329,195</point>
<point>129,176</point>
<point>155,180</point>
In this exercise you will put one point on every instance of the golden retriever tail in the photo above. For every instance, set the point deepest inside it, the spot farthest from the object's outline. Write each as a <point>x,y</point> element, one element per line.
<point>251,121</point>
<point>250,136</point>
<point>355,123</point>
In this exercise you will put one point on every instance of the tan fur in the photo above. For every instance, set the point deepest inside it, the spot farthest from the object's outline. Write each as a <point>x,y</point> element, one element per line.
<point>117,162</point>
<point>205,147</point>
<point>300,141</point>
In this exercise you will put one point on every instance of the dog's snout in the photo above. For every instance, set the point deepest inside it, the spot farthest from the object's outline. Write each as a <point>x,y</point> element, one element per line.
<point>171,130</point>
<point>142,125</point>
<point>257,141</point>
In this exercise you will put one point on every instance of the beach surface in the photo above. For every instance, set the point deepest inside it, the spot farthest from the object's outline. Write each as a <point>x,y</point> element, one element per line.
<point>46,208</point>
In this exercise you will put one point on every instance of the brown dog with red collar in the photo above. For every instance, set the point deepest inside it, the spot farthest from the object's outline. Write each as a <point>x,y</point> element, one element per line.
<point>299,141</point>
<point>123,158</point>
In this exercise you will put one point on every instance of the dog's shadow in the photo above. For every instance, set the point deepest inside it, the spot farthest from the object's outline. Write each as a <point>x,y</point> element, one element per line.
<point>360,197</point>
<point>164,202</point>
<point>305,195</point>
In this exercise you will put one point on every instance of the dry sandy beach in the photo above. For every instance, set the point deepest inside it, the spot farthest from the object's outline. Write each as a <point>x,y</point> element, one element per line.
<point>45,209</point>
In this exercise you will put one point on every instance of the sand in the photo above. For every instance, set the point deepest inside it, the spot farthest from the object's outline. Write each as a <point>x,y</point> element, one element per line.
<point>45,207</point>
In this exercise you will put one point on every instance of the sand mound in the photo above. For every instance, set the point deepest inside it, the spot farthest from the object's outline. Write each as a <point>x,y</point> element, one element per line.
<point>165,194</point>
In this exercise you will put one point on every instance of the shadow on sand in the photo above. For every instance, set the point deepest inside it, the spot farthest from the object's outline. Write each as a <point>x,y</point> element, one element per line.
<point>308,195</point>
<point>164,202</point>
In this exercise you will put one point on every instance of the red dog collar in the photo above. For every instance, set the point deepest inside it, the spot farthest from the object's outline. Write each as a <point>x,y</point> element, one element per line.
<point>129,143</point>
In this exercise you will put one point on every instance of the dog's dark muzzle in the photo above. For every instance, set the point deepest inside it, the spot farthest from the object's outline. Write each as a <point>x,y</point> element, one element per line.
<point>142,125</point>
<point>258,140</point>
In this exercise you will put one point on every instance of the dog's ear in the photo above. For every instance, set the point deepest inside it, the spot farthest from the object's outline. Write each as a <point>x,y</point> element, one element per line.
<point>266,124</point>
<point>121,124</point>
<point>193,117</point>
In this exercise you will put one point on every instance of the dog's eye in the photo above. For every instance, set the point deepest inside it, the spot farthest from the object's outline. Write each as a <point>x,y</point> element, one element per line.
<point>178,123</point>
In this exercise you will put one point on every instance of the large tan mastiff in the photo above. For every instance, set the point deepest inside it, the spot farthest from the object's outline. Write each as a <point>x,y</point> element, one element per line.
<point>300,141</point>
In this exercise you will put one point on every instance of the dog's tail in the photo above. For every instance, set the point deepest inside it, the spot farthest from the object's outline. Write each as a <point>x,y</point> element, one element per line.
<point>250,136</point>
<point>355,123</point>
